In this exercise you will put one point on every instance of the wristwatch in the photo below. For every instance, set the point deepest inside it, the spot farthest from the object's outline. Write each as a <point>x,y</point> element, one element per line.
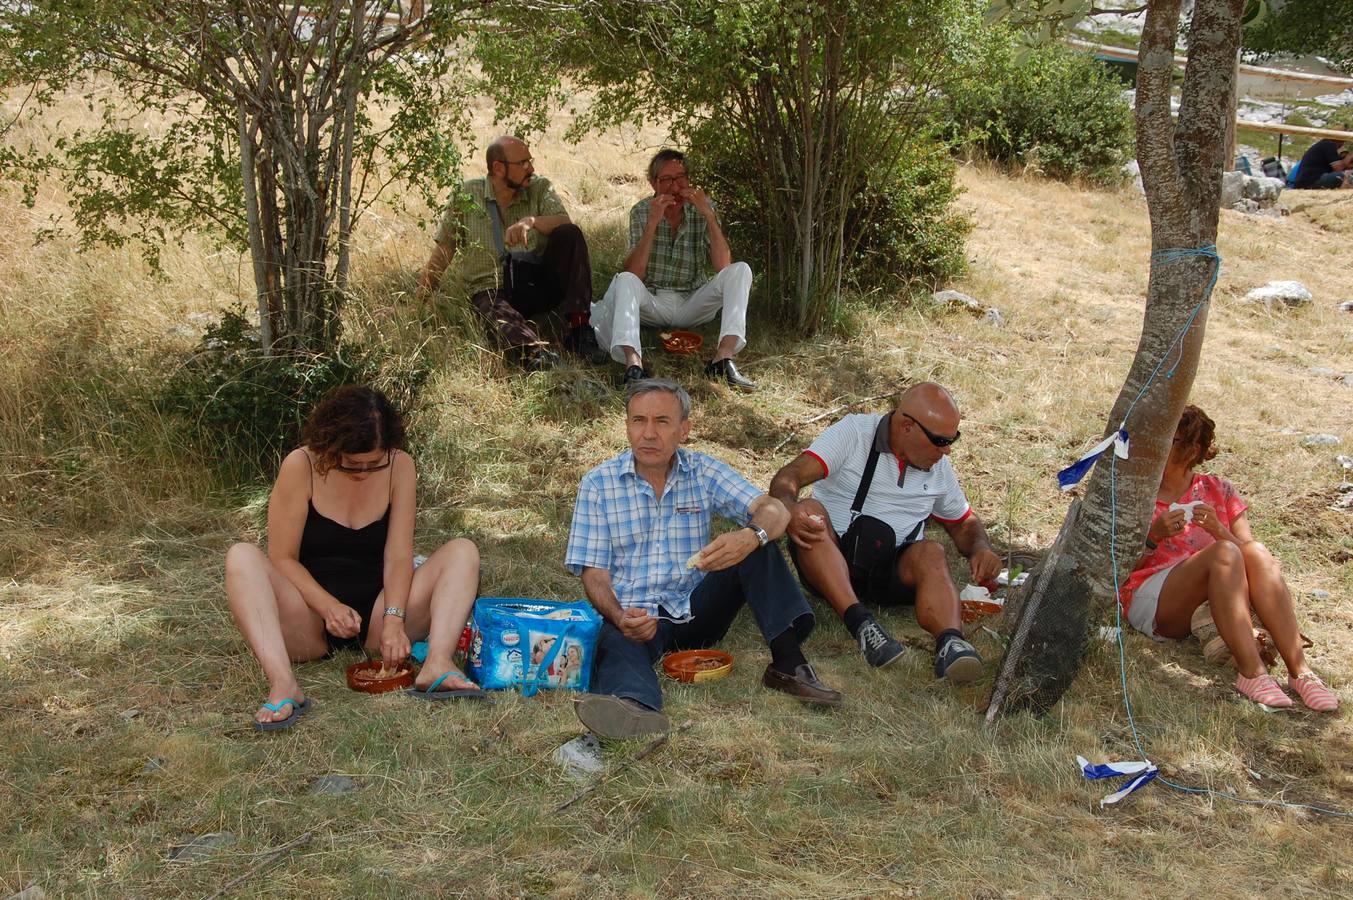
<point>394,611</point>
<point>761,537</point>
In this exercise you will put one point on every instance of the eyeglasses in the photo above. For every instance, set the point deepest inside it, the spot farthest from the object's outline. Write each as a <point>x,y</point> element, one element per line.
<point>362,470</point>
<point>520,162</point>
<point>938,440</point>
<point>669,180</point>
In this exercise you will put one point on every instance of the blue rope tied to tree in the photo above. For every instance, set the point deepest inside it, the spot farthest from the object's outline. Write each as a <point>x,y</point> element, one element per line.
<point>1166,257</point>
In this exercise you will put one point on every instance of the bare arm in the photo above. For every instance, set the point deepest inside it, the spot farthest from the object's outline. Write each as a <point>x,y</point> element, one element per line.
<point>442,254</point>
<point>804,528</point>
<point>518,231</point>
<point>719,254</point>
<point>398,559</point>
<point>970,537</point>
<point>636,263</point>
<point>633,624</point>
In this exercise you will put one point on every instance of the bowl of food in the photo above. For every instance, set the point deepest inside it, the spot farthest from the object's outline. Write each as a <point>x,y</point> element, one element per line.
<point>374,676</point>
<point>697,665</point>
<point>682,343</point>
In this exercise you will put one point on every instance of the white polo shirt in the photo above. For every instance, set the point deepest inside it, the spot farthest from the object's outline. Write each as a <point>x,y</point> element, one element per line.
<point>843,449</point>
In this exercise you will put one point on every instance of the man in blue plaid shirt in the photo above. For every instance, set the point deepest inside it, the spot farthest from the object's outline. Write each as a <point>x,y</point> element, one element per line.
<point>640,540</point>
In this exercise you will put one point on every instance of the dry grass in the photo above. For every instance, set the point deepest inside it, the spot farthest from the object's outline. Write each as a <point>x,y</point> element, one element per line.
<point>112,548</point>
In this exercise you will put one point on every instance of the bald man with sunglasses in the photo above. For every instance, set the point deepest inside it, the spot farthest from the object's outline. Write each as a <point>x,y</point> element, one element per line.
<point>861,537</point>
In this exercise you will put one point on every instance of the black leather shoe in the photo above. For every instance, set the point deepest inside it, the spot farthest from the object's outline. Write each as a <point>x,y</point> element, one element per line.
<point>802,686</point>
<point>726,371</point>
<point>637,373</point>
<point>582,341</point>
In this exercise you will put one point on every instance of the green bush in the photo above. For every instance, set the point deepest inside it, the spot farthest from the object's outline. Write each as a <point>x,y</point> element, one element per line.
<point>901,229</point>
<point>244,410</point>
<point>1051,109</point>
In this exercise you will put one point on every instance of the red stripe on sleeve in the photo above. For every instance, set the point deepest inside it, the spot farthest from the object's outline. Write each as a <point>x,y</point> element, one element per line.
<point>965,515</point>
<point>821,461</point>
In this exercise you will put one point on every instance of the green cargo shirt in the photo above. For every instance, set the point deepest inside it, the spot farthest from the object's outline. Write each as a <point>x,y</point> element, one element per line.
<point>679,258</point>
<point>466,223</point>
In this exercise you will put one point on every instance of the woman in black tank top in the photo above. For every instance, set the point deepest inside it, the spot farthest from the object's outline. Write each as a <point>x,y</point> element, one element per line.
<point>339,568</point>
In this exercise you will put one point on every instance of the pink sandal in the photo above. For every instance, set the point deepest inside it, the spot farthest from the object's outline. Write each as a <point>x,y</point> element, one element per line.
<point>1262,689</point>
<point>1314,693</point>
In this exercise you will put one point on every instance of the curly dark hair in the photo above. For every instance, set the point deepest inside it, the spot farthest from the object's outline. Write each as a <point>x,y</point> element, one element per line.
<point>352,419</point>
<point>1197,430</point>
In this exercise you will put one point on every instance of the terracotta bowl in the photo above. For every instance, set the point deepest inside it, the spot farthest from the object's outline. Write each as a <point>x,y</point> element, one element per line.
<point>682,343</point>
<point>364,676</point>
<point>697,665</point>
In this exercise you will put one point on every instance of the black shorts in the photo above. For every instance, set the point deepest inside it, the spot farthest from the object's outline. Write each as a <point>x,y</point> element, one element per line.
<point>872,564</point>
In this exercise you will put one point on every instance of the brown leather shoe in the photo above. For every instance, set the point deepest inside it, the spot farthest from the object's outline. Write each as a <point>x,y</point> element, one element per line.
<point>802,685</point>
<point>619,717</point>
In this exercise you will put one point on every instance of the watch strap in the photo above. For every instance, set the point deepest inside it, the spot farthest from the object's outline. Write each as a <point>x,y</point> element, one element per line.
<point>394,611</point>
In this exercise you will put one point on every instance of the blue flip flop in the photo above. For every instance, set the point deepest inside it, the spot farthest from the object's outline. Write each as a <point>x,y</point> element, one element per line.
<point>431,693</point>
<point>297,710</point>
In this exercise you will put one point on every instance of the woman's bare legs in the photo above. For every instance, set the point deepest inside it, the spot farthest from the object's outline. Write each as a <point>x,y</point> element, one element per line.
<point>1216,575</point>
<point>1272,602</point>
<point>440,599</point>
<point>275,622</point>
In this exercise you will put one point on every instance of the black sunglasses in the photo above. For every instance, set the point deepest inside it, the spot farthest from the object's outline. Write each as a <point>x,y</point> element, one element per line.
<point>362,470</point>
<point>938,440</point>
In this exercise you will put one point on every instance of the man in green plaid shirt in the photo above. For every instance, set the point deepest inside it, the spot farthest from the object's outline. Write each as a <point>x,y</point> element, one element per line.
<point>674,236</point>
<point>535,226</point>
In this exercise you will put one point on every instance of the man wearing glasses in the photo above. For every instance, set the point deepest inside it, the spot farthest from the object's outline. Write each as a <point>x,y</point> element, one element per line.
<point>674,235</point>
<point>512,213</point>
<point>640,539</point>
<point>861,536</point>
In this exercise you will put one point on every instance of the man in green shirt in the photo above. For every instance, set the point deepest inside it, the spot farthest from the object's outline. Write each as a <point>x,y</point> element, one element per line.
<point>533,225</point>
<point>674,235</point>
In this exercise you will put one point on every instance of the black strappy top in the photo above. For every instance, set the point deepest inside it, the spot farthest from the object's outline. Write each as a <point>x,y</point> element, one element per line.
<point>349,563</point>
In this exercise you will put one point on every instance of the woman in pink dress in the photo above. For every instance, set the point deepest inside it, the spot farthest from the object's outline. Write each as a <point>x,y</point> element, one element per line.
<point>1200,549</point>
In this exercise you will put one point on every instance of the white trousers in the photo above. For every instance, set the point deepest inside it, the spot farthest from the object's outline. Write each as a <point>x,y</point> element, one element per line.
<point>628,304</point>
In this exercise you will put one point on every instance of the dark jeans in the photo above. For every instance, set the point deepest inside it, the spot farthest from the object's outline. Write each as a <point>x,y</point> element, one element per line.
<point>761,582</point>
<point>568,286</point>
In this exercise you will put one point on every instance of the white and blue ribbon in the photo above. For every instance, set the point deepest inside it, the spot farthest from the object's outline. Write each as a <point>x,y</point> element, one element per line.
<point>1136,773</point>
<point>1072,474</point>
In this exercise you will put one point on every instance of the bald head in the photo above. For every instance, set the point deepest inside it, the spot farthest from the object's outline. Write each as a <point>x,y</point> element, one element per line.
<point>928,401</point>
<point>924,407</point>
<point>500,148</point>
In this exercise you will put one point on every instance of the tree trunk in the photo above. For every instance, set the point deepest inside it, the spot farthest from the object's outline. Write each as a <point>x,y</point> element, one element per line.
<point>1101,538</point>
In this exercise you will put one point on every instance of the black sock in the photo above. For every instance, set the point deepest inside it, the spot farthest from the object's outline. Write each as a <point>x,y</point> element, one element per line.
<point>785,653</point>
<point>944,636</point>
<point>855,616</point>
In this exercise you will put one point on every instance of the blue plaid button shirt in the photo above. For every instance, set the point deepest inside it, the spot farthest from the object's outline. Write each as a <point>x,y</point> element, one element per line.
<point>644,542</point>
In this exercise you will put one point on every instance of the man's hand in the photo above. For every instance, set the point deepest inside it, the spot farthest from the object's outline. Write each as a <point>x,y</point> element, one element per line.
<point>699,199</point>
<point>727,550</point>
<point>394,641</point>
<point>1166,526</point>
<point>806,528</point>
<point>342,621</point>
<point>637,625</point>
<point>658,206</point>
<point>517,233</point>
<point>985,565</point>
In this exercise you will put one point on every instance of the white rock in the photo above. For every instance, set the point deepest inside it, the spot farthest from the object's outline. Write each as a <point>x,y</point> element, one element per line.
<point>1289,293</point>
<point>1320,595</point>
<point>958,298</point>
<point>1262,188</point>
<point>993,317</point>
<point>1320,440</point>
<point>580,757</point>
<point>1232,188</point>
<point>1346,306</point>
<point>1345,462</point>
